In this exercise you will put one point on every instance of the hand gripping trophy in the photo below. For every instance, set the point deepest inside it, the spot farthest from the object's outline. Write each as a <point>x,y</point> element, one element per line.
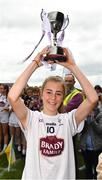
<point>53,23</point>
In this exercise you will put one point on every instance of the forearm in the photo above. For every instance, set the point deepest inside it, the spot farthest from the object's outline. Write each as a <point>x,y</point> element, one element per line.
<point>21,82</point>
<point>91,96</point>
<point>88,89</point>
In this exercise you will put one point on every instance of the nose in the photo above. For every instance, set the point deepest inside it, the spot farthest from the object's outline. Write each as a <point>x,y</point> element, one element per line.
<point>53,96</point>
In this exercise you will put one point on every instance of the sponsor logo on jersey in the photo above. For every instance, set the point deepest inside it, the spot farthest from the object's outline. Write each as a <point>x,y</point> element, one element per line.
<point>51,146</point>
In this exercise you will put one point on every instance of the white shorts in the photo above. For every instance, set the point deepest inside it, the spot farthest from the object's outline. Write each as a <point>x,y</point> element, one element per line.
<point>4,117</point>
<point>13,120</point>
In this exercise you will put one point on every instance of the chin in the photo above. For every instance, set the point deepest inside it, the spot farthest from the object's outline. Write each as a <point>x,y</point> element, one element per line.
<point>52,110</point>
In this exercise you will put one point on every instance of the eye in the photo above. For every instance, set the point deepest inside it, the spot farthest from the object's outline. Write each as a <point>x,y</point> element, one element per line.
<point>59,94</point>
<point>48,92</point>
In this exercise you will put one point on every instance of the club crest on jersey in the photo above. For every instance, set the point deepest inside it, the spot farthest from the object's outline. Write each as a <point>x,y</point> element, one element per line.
<point>51,146</point>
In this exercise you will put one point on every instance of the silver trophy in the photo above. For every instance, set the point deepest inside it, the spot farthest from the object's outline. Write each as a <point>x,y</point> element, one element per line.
<point>53,23</point>
<point>57,23</point>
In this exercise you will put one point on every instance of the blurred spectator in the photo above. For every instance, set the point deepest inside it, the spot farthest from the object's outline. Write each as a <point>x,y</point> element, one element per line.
<point>91,142</point>
<point>4,116</point>
<point>28,96</point>
<point>98,89</point>
<point>74,96</point>
<point>36,103</point>
<point>15,129</point>
<point>32,98</point>
<point>99,92</point>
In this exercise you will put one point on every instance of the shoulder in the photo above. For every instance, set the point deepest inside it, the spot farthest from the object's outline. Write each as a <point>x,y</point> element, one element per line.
<point>32,118</point>
<point>34,113</point>
<point>68,115</point>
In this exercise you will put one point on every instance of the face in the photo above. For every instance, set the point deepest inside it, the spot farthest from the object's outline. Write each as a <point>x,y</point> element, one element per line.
<point>52,97</point>
<point>1,89</point>
<point>29,92</point>
<point>36,93</point>
<point>69,81</point>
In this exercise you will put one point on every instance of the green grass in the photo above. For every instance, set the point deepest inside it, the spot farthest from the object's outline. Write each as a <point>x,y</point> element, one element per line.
<point>15,170</point>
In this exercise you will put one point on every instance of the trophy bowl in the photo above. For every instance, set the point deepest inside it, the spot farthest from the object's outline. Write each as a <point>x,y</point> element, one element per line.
<point>56,20</point>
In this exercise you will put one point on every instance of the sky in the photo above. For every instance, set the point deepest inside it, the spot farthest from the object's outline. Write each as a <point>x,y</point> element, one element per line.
<point>20,31</point>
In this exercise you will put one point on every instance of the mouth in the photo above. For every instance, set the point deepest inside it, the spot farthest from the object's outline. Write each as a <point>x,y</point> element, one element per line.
<point>52,103</point>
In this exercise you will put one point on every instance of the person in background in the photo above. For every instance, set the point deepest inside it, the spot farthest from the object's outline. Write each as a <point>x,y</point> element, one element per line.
<point>36,102</point>
<point>99,93</point>
<point>49,133</point>
<point>91,141</point>
<point>4,117</point>
<point>98,89</point>
<point>28,97</point>
<point>15,130</point>
<point>1,89</point>
<point>1,136</point>
<point>74,97</point>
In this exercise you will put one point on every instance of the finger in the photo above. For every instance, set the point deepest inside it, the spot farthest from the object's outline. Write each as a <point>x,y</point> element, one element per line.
<point>50,62</point>
<point>45,51</point>
<point>57,61</point>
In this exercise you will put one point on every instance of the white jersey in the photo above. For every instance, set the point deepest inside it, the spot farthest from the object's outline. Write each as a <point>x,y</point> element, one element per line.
<point>50,153</point>
<point>3,102</point>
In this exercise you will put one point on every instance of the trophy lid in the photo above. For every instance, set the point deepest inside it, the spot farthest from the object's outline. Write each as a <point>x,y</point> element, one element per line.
<point>56,19</point>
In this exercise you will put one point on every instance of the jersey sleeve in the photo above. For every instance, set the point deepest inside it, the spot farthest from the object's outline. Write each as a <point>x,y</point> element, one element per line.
<point>72,123</point>
<point>30,117</point>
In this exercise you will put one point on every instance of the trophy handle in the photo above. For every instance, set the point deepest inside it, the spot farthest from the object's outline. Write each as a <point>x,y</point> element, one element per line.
<point>67,22</point>
<point>41,14</point>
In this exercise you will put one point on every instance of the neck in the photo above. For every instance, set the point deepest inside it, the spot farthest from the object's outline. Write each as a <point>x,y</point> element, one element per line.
<point>71,89</point>
<point>50,113</point>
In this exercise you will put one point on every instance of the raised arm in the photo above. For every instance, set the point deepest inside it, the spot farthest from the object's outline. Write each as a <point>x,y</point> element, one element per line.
<point>14,94</point>
<point>91,96</point>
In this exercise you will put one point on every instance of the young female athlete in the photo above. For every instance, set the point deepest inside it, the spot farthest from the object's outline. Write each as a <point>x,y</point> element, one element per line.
<point>49,133</point>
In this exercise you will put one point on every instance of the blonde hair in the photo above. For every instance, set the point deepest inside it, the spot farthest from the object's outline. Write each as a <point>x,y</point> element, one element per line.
<point>54,79</point>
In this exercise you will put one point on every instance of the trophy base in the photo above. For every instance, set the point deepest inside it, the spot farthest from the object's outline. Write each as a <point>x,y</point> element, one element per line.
<point>56,53</point>
<point>54,57</point>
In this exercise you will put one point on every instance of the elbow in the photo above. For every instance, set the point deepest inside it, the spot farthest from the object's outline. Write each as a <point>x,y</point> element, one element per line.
<point>94,100</point>
<point>11,98</point>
